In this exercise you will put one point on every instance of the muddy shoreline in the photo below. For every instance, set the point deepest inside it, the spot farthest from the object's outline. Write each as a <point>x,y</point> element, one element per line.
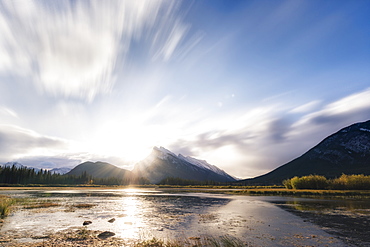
<point>71,237</point>
<point>350,229</point>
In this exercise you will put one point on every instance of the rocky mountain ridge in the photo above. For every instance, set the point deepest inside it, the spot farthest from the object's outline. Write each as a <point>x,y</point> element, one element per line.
<point>162,163</point>
<point>346,151</point>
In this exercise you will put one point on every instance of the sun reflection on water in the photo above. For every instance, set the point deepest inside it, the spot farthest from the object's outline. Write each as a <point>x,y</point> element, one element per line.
<point>130,223</point>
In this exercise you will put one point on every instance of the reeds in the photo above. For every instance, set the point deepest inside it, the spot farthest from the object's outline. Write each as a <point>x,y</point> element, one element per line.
<point>5,206</point>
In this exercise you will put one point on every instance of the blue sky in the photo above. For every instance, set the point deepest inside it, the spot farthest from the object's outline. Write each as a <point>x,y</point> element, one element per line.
<point>245,85</point>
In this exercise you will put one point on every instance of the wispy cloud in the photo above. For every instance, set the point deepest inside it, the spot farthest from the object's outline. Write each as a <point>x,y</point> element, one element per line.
<point>67,160</point>
<point>17,142</point>
<point>308,107</point>
<point>351,108</point>
<point>7,111</point>
<point>272,136</point>
<point>73,49</point>
<point>247,87</point>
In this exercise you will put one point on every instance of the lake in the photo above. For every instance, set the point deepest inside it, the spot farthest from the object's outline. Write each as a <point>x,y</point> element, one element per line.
<point>147,213</point>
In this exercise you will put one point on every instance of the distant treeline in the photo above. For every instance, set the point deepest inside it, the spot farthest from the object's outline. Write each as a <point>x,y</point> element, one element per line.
<point>24,175</point>
<point>184,182</point>
<point>344,182</point>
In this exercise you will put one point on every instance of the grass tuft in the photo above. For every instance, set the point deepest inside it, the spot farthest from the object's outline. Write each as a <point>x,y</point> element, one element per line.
<point>5,206</point>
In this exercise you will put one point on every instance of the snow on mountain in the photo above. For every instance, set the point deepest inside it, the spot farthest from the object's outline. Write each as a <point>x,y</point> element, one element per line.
<point>162,163</point>
<point>344,152</point>
<point>203,164</point>
<point>363,129</point>
<point>61,170</point>
<point>163,154</point>
<point>16,164</point>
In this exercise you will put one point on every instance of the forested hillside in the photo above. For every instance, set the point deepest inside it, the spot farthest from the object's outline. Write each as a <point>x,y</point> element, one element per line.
<point>24,176</point>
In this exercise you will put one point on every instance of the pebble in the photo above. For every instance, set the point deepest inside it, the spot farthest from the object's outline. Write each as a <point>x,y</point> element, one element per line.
<point>106,234</point>
<point>86,223</point>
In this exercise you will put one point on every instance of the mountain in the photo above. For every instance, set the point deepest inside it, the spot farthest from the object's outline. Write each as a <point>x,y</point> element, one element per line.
<point>16,164</point>
<point>346,151</point>
<point>204,165</point>
<point>99,170</point>
<point>60,170</point>
<point>162,163</point>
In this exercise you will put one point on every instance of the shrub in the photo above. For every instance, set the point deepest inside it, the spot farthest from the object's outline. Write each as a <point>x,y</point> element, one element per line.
<point>344,182</point>
<point>309,182</point>
<point>288,184</point>
<point>351,182</point>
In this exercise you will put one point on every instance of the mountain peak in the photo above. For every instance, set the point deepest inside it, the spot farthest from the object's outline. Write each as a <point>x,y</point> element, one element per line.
<point>163,163</point>
<point>162,153</point>
<point>60,170</point>
<point>14,163</point>
<point>99,169</point>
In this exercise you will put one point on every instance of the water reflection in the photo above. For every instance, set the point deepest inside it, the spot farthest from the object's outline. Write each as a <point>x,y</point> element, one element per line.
<point>128,217</point>
<point>137,213</point>
<point>349,219</point>
<point>258,221</point>
<point>339,206</point>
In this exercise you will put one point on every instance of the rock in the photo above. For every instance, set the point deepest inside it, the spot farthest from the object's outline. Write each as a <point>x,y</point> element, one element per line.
<point>112,220</point>
<point>86,223</point>
<point>106,234</point>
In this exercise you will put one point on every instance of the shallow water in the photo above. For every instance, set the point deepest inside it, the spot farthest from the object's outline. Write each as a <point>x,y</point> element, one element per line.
<point>141,214</point>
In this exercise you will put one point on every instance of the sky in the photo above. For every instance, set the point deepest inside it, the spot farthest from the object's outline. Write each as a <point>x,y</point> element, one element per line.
<point>246,85</point>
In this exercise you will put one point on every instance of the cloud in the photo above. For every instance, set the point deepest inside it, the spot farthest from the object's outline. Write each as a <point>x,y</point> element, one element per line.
<point>35,150</point>
<point>308,107</point>
<point>174,38</point>
<point>355,107</point>
<point>8,112</point>
<point>272,136</point>
<point>16,142</point>
<point>72,49</point>
<point>48,162</point>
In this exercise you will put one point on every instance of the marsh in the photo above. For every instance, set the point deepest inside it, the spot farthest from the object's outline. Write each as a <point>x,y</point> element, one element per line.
<point>147,213</point>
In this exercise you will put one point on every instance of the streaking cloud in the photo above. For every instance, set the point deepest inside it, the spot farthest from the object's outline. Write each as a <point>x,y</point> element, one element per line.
<point>74,49</point>
<point>245,85</point>
<point>15,140</point>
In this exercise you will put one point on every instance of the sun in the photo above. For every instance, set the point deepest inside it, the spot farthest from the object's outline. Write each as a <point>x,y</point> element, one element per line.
<point>129,141</point>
